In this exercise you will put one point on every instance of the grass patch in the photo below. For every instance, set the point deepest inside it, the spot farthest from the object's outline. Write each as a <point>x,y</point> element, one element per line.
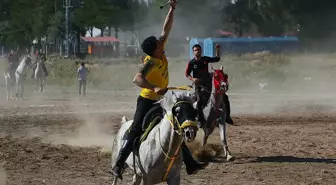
<point>282,73</point>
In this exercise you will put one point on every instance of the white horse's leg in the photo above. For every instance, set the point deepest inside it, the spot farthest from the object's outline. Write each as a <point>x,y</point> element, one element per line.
<point>42,84</point>
<point>22,88</point>
<point>17,90</point>
<point>207,133</point>
<point>115,181</point>
<point>144,182</point>
<point>39,84</point>
<point>205,137</point>
<point>7,87</point>
<point>37,81</point>
<point>174,181</point>
<point>223,135</point>
<point>137,179</point>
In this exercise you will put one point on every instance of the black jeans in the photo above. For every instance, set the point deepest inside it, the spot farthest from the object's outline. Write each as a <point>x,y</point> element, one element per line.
<point>143,106</point>
<point>203,94</point>
<point>227,104</point>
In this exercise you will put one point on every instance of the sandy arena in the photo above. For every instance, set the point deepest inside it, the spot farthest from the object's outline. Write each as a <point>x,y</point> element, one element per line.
<point>66,140</point>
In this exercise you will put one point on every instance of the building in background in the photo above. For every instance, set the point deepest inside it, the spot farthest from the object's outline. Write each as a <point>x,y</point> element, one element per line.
<point>100,46</point>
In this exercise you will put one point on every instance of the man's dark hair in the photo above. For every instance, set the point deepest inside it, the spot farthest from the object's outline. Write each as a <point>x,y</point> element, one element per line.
<point>149,45</point>
<point>82,64</point>
<point>197,46</point>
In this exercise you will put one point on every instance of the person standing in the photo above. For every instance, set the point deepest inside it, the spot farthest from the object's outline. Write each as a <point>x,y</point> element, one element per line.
<point>82,73</point>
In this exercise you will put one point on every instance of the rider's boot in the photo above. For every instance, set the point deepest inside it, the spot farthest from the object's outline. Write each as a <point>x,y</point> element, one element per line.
<point>200,118</point>
<point>124,152</point>
<point>228,110</point>
<point>192,166</point>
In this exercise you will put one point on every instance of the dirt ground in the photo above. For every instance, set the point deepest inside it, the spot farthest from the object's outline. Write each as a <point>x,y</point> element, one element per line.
<point>63,139</point>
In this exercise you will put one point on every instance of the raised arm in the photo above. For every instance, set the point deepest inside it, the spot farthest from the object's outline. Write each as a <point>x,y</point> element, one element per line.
<point>168,22</point>
<point>217,57</point>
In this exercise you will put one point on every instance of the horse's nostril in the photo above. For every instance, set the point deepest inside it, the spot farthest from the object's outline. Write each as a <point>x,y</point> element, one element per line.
<point>188,134</point>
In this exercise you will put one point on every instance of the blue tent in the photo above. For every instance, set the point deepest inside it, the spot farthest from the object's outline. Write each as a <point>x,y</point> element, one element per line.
<point>246,44</point>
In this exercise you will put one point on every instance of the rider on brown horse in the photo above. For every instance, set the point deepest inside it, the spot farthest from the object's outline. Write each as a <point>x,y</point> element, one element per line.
<point>203,81</point>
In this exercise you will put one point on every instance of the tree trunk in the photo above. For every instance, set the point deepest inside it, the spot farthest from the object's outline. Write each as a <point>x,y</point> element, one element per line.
<point>109,31</point>
<point>78,40</point>
<point>117,44</point>
<point>102,32</point>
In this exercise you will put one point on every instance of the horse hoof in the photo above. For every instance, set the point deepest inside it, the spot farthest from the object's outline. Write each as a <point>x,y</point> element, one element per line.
<point>230,158</point>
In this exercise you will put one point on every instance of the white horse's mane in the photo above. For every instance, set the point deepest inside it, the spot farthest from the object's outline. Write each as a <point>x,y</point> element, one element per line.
<point>172,97</point>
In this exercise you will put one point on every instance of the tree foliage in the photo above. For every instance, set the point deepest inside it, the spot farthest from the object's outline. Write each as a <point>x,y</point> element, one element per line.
<point>21,21</point>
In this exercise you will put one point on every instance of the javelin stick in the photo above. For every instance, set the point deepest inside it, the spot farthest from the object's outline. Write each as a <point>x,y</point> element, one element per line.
<point>165,4</point>
<point>184,87</point>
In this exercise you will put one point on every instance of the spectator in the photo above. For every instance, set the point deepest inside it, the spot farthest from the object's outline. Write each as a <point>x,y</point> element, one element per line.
<point>82,74</point>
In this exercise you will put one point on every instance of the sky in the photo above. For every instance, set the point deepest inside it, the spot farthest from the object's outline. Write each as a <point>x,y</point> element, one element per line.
<point>95,32</point>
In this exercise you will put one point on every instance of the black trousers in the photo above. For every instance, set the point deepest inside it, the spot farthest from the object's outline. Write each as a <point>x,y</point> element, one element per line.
<point>203,98</point>
<point>203,94</point>
<point>143,106</point>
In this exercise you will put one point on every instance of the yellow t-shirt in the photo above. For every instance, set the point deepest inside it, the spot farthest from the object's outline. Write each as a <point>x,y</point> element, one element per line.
<point>156,73</point>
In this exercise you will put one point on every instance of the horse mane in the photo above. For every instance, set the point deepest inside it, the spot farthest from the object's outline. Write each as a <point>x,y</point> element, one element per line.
<point>24,58</point>
<point>172,97</point>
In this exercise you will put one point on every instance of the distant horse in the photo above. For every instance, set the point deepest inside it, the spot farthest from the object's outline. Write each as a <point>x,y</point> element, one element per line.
<point>215,111</point>
<point>21,74</point>
<point>158,158</point>
<point>40,76</point>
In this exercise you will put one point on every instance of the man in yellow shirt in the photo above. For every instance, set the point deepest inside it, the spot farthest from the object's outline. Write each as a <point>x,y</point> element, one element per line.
<point>153,79</point>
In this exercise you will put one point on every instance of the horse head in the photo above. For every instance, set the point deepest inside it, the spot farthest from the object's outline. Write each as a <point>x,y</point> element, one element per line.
<point>27,60</point>
<point>220,86</point>
<point>184,116</point>
<point>220,80</point>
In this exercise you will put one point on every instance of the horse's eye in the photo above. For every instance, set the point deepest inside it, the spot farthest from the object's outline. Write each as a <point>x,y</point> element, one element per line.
<point>177,109</point>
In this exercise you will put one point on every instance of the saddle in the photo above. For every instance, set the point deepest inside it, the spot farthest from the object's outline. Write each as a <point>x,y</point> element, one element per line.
<point>151,119</point>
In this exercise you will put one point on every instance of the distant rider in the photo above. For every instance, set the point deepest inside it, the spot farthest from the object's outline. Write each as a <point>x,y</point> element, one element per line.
<point>40,56</point>
<point>203,80</point>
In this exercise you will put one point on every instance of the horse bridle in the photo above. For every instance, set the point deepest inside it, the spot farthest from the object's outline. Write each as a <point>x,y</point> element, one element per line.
<point>176,124</point>
<point>178,128</point>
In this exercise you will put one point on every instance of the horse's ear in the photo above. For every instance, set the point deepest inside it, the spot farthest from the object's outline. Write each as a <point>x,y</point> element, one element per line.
<point>174,96</point>
<point>212,69</point>
<point>222,68</point>
<point>176,110</point>
<point>123,120</point>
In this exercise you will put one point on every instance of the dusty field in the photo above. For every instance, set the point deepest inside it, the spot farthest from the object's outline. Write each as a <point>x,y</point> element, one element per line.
<point>280,139</point>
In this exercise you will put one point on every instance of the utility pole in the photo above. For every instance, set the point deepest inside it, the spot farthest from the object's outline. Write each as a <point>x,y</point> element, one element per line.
<point>67,6</point>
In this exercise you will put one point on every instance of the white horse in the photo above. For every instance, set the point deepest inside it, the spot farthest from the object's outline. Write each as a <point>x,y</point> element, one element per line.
<point>158,158</point>
<point>215,111</point>
<point>20,76</point>
<point>40,76</point>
